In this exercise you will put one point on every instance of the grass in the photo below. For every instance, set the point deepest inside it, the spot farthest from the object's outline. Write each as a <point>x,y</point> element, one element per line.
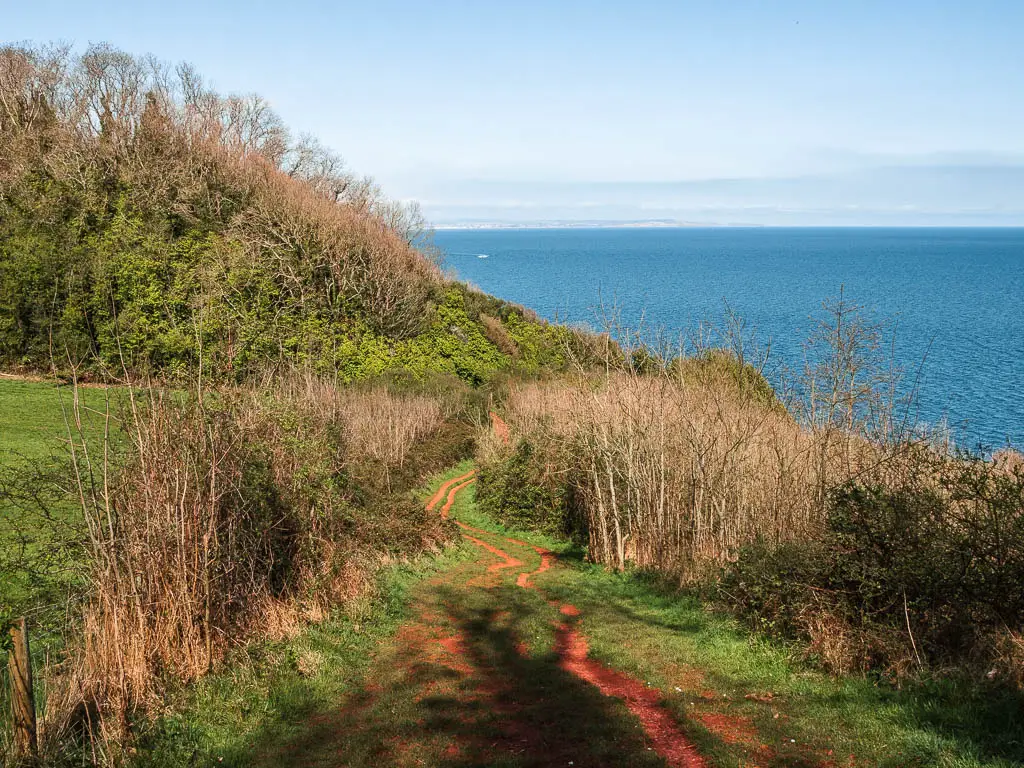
<point>710,670</point>
<point>705,664</point>
<point>34,460</point>
<point>35,573</point>
<point>371,687</point>
<point>31,421</point>
<point>365,690</point>
<point>273,692</point>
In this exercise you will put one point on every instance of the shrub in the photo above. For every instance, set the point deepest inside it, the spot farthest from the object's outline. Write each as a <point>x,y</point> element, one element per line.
<point>519,494</point>
<point>498,336</point>
<point>224,515</point>
<point>923,572</point>
<point>186,225</point>
<point>721,367</point>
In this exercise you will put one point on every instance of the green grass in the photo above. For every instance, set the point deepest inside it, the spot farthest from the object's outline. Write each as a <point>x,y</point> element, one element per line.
<point>357,690</point>
<point>31,423</point>
<point>36,539</point>
<point>274,691</point>
<point>706,664</point>
<point>34,464</point>
<point>379,696</point>
<point>271,693</point>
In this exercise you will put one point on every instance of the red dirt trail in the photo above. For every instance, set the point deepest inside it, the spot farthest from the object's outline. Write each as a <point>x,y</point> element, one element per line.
<point>645,703</point>
<point>546,561</point>
<point>451,498</point>
<point>509,561</point>
<point>436,498</point>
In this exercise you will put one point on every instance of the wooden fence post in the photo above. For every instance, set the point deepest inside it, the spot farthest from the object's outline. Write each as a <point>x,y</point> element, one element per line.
<point>22,698</point>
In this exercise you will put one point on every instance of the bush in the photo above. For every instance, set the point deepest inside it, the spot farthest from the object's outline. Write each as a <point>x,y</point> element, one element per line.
<point>227,515</point>
<point>520,494</point>
<point>926,572</point>
<point>721,367</point>
<point>498,336</point>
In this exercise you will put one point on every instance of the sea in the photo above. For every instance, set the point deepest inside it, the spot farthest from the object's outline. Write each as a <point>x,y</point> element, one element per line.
<point>952,299</point>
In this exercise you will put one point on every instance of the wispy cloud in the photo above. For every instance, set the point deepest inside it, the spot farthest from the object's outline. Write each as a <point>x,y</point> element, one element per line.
<point>906,193</point>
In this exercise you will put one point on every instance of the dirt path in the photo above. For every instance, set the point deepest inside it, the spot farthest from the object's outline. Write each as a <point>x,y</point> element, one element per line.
<point>658,724</point>
<point>488,670</point>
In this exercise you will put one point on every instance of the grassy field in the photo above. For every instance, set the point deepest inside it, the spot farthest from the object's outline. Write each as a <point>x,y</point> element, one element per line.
<point>32,418</point>
<point>354,692</point>
<point>34,572</point>
<point>34,466</point>
<point>31,421</point>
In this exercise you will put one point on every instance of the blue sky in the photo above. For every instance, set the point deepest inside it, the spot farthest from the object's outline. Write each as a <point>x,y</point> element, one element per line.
<point>770,113</point>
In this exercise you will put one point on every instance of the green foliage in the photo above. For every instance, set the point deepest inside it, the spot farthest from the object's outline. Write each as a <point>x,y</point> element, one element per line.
<point>6,622</point>
<point>541,345</point>
<point>129,290</point>
<point>152,241</point>
<point>767,586</point>
<point>516,493</point>
<point>453,344</point>
<point>946,560</point>
<point>721,367</point>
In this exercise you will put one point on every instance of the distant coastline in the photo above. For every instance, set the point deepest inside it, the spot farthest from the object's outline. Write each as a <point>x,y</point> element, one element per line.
<point>669,224</point>
<point>597,224</point>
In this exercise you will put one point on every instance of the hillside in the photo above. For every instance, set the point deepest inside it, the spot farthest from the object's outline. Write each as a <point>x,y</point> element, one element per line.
<point>148,223</point>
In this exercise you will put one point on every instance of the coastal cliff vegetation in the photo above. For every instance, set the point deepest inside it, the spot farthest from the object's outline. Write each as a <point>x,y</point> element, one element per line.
<point>149,224</point>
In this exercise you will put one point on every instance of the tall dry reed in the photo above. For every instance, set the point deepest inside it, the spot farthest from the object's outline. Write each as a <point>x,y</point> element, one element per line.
<point>216,517</point>
<point>675,473</point>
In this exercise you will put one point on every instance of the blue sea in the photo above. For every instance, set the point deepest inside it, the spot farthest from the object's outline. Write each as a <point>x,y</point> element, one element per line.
<point>956,296</point>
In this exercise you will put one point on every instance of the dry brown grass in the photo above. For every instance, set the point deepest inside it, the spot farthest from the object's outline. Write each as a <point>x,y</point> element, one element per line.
<point>496,333</point>
<point>676,473</point>
<point>377,424</point>
<point>223,522</point>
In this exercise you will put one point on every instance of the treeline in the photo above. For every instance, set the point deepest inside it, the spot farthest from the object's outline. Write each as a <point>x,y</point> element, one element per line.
<point>151,224</point>
<point>822,513</point>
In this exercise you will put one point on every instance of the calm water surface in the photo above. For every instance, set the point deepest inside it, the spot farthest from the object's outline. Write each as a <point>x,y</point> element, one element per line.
<point>957,295</point>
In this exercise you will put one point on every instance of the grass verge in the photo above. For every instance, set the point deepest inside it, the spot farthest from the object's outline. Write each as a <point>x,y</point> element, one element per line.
<point>742,697</point>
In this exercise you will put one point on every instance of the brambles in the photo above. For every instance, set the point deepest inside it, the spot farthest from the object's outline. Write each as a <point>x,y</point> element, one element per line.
<point>909,575</point>
<point>518,494</point>
<point>216,516</point>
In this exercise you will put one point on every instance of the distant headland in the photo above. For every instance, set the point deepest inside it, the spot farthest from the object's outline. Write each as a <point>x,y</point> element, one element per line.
<point>586,224</point>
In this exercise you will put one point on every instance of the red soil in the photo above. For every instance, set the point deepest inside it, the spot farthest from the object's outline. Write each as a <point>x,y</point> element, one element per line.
<point>456,648</point>
<point>451,498</point>
<point>546,561</point>
<point>509,561</point>
<point>645,703</point>
<point>436,498</point>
